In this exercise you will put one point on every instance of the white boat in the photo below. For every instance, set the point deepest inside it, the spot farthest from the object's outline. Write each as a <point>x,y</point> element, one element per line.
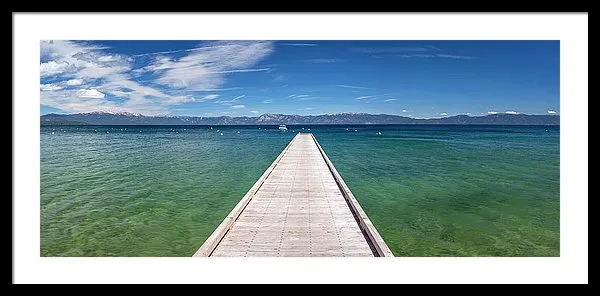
<point>282,127</point>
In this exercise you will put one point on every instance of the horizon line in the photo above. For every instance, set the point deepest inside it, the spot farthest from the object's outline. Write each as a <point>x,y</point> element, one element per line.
<point>323,114</point>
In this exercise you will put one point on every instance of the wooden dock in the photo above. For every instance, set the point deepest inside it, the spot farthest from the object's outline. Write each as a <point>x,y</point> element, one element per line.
<point>299,207</point>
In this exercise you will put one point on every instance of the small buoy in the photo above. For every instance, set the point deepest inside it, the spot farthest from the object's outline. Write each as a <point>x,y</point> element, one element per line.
<point>238,132</point>
<point>107,132</point>
<point>53,133</point>
<point>546,130</point>
<point>379,133</point>
<point>355,130</point>
<point>176,132</point>
<point>121,129</point>
<point>64,131</point>
<point>308,129</point>
<point>302,128</point>
<point>346,128</point>
<point>211,127</point>
<point>184,129</point>
<point>217,131</point>
<point>221,134</point>
<point>140,131</point>
<point>95,130</point>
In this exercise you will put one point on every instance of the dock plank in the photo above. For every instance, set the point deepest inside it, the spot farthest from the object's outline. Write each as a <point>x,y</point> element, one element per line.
<point>298,208</point>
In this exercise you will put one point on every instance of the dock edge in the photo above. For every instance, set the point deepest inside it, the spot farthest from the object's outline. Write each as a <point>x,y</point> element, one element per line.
<point>363,220</point>
<point>213,240</point>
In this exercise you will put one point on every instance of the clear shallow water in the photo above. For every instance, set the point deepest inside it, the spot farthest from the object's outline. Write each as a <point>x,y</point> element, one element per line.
<point>429,190</point>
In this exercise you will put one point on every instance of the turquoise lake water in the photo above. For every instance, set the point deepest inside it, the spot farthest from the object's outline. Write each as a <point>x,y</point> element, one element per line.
<point>430,190</point>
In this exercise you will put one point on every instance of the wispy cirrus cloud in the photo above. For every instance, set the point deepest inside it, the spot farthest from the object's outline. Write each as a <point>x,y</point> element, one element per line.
<point>238,106</point>
<point>296,96</point>
<point>511,112</point>
<point>74,82</point>
<point>364,97</point>
<point>49,87</point>
<point>396,49</point>
<point>210,97</point>
<point>352,86</point>
<point>436,55</point>
<point>91,93</point>
<point>210,89</point>
<point>425,51</point>
<point>205,68</point>
<point>302,97</point>
<point>325,61</point>
<point>390,100</point>
<point>299,44</point>
<point>111,80</point>
<point>230,102</point>
<point>551,112</point>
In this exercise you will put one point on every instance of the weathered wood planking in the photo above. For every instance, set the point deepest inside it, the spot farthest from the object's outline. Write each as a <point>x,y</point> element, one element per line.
<point>299,207</point>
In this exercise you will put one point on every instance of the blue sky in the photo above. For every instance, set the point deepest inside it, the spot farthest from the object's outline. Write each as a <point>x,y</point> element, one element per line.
<point>421,79</point>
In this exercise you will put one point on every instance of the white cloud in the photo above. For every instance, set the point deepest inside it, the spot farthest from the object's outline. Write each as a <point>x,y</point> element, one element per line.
<point>206,68</point>
<point>309,108</point>
<point>108,58</point>
<point>403,110</point>
<point>511,112</point>
<point>210,89</point>
<point>364,97</point>
<point>91,93</point>
<point>66,57</point>
<point>304,98</point>
<point>291,96</point>
<point>395,49</point>
<point>183,99</point>
<point>492,112</point>
<point>299,44</point>
<point>112,74</point>
<point>238,106</point>
<point>230,102</point>
<point>351,86</point>
<point>74,82</point>
<point>451,56</point>
<point>435,55</point>
<point>468,113</point>
<point>53,68</point>
<point>444,114</point>
<point>325,61</point>
<point>267,101</point>
<point>254,112</point>
<point>551,112</point>
<point>390,100</point>
<point>210,97</point>
<point>49,87</point>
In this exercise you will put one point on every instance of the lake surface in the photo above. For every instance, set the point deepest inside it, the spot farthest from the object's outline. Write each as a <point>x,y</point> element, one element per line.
<point>430,190</point>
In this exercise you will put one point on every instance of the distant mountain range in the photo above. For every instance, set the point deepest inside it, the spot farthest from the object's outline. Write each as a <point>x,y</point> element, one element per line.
<point>103,118</point>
